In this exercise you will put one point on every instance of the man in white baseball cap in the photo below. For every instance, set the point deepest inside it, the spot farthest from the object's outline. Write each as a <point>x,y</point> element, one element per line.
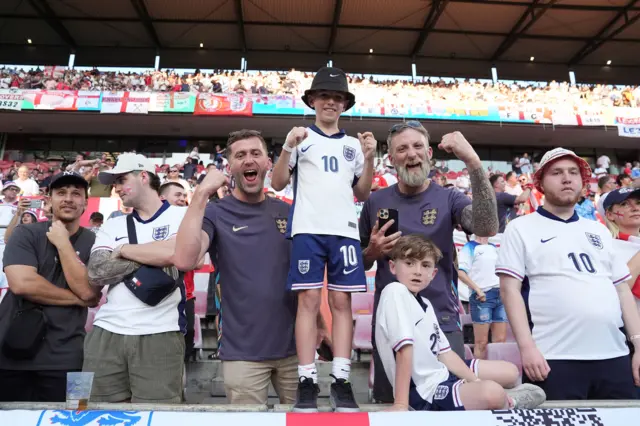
<point>127,163</point>
<point>565,291</point>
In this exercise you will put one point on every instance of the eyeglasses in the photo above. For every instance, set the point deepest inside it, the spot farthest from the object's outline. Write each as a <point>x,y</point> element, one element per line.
<point>411,124</point>
<point>173,171</point>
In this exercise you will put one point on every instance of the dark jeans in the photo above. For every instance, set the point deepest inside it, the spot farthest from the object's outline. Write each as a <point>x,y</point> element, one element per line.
<point>190,312</point>
<point>33,386</point>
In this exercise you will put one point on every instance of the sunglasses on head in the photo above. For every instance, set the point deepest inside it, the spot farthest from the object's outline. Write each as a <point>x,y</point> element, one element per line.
<point>411,124</point>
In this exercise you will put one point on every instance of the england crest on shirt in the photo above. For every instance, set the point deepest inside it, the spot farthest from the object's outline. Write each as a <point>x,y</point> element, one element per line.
<point>594,240</point>
<point>349,153</point>
<point>160,233</point>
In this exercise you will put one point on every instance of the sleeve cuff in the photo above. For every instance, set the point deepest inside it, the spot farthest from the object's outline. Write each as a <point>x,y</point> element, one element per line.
<point>401,343</point>
<point>510,272</point>
<point>622,280</point>
<point>444,350</point>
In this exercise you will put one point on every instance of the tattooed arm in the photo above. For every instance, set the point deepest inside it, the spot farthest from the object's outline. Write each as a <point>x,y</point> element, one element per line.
<point>481,216</point>
<point>106,269</point>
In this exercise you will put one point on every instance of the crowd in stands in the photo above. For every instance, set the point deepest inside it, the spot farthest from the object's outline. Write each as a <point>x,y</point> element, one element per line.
<point>294,82</point>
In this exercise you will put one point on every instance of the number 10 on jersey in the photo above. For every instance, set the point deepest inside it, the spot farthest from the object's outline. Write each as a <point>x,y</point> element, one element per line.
<point>330,164</point>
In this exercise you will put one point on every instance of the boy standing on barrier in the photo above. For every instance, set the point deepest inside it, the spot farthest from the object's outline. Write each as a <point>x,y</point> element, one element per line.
<point>325,164</point>
<point>423,370</point>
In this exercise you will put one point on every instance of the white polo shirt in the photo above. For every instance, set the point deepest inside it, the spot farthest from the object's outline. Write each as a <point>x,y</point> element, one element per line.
<point>325,169</point>
<point>569,270</point>
<point>123,313</point>
<point>400,321</point>
<point>479,262</point>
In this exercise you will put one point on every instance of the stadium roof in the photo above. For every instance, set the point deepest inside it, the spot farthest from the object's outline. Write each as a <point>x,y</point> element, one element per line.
<point>442,37</point>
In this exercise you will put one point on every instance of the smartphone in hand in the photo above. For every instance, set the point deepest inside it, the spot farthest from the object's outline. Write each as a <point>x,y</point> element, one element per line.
<point>386,215</point>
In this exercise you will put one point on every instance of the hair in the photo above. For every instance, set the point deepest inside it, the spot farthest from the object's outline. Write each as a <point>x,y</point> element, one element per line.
<point>612,227</point>
<point>415,247</point>
<point>96,216</point>
<point>509,174</point>
<point>165,187</point>
<point>494,178</point>
<point>420,130</point>
<point>154,180</point>
<point>603,180</point>
<point>620,177</point>
<point>243,134</point>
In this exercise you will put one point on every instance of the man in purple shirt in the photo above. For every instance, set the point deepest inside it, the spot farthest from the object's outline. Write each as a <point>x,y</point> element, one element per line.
<point>244,234</point>
<point>429,210</point>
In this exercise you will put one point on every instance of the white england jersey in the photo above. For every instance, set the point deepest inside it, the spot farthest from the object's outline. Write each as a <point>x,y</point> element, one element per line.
<point>479,262</point>
<point>325,169</point>
<point>7,212</point>
<point>569,270</point>
<point>400,321</point>
<point>123,313</point>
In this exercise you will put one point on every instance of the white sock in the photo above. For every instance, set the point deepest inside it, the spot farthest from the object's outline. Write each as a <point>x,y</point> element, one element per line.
<point>341,368</point>
<point>308,371</point>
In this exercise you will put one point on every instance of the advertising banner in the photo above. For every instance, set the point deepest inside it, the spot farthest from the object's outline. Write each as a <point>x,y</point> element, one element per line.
<point>61,100</point>
<point>210,104</point>
<point>125,102</point>
<point>11,99</point>
<point>183,102</point>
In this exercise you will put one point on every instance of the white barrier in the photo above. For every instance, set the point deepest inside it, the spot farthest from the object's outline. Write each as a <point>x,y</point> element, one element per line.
<point>542,417</point>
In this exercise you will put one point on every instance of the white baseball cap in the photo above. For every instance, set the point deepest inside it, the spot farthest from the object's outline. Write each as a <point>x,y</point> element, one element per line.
<point>127,163</point>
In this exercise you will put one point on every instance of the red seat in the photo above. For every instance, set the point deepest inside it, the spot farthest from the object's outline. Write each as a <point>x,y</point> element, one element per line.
<point>362,333</point>
<point>361,304</point>
<point>505,352</point>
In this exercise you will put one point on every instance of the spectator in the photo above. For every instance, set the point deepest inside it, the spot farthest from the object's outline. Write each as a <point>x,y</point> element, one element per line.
<point>247,228</point>
<point>476,268</point>
<point>124,210</point>
<point>525,164</point>
<point>603,161</point>
<point>45,267</point>
<point>8,210</point>
<point>174,176</point>
<point>426,374</point>
<point>432,211</point>
<point>635,171</point>
<point>515,166</point>
<point>506,203</point>
<point>624,181</point>
<point>462,182</point>
<point>174,194</point>
<point>97,189</point>
<point>512,186</point>
<point>572,263</point>
<point>95,221</point>
<point>28,217</point>
<point>154,371</point>
<point>585,207</point>
<point>28,187</point>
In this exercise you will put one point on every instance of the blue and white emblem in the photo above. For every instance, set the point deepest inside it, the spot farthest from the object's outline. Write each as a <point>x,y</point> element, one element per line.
<point>349,153</point>
<point>160,233</point>
<point>303,266</point>
<point>594,240</point>
<point>94,418</point>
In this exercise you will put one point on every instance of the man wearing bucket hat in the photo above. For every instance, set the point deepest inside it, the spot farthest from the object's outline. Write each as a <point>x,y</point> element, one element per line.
<point>8,211</point>
<point>565,292</point>
<point>328,168</point>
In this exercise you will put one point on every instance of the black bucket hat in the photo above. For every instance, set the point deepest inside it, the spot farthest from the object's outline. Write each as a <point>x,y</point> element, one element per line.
<point>331,80</point>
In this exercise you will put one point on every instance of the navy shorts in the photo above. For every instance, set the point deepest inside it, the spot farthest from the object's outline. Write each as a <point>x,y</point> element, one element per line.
<point>342,257</point>
<point>447,395</point>
<point>598,379</point>
<point>489,311</point>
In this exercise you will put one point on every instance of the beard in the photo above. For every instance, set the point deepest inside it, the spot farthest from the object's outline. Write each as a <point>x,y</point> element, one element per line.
<point>414,178</point>
<point>562,200</point>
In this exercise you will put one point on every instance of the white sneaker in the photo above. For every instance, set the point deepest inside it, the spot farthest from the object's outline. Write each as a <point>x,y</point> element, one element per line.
<point>527,396</point>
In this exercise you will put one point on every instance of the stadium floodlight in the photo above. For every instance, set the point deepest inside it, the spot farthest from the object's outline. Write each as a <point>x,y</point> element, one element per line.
<point>243,64</point>
<point>72,60</point>
<point>29,41</point>
<point>494,74</point>
<point>370,50</point>
<point>413,70</point>
<point>201,45</point>
<point>532,58</point>
<point>330,63</point>
<point>156,65</point>
<point>572,78</point>
<point>609,62</point>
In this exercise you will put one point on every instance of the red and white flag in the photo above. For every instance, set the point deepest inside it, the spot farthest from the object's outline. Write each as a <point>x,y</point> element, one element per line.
<point>125,102</point>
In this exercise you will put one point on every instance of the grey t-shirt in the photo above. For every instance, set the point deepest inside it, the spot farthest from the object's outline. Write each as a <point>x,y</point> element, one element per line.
<point>249,249</point>
<point>64,340</point>
<point>432,213</point>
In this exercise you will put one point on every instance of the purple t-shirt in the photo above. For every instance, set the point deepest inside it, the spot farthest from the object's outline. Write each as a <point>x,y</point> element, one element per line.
<point>249,249</point>
<point>433,213</point>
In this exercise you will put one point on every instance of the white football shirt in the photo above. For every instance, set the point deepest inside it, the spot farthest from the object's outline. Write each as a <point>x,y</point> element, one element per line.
<point>569,270</point>
<point>123,313</point>
<point>400,321</point>
<point>7,212</point>
<point>325,169</point>
<point>479,262</point>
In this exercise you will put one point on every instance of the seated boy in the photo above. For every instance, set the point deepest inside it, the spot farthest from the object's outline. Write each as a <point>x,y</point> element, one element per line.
<point>423,370</point>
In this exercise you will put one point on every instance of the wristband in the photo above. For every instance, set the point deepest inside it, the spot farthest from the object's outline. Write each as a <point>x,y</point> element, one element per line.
<point>287,148</point>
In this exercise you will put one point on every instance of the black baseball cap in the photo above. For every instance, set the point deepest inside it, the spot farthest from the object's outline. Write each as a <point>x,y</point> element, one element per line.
<point>68,178</point>
<point>619,196</point>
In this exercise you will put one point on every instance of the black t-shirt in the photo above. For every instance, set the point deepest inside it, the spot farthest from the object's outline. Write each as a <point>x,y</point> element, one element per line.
<point>62,348</point>
<point>506,209</point>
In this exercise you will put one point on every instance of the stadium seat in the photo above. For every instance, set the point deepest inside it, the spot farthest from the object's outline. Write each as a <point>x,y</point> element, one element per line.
<point>465,319</point>
<point>361,304</point>
<point>468,352</point>
<point>505,352</point>
<point>371,378</point>
<point>510,336</point>
<point>362,333</point>
<point>201,303</point>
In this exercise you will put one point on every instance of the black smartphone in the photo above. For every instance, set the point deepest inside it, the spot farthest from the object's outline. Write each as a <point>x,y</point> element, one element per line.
<point>384,216</point>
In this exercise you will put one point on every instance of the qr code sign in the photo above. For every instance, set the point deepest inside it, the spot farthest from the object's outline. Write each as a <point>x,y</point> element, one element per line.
<point>548,417</point>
